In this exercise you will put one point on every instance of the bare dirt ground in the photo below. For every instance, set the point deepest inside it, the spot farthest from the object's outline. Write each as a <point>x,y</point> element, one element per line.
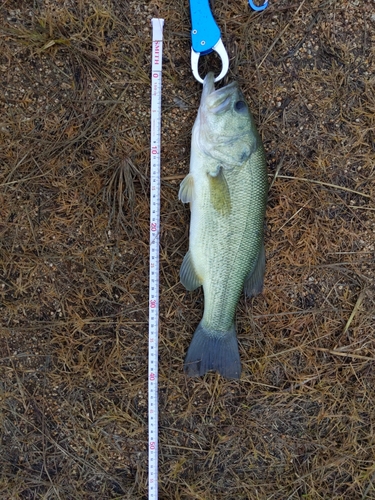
<point>74,164</point>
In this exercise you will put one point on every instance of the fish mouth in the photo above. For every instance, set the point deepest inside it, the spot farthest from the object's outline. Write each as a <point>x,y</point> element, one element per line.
<point>218,100</point>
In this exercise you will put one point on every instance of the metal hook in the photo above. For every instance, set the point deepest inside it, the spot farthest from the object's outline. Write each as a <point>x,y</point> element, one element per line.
<point>258,8</point>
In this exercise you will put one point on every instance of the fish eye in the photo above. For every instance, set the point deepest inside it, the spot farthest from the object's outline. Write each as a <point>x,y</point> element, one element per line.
<point>240,106</point>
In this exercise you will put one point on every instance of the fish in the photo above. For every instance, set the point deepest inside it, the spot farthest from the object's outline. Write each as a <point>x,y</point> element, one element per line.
<point>227,189</point>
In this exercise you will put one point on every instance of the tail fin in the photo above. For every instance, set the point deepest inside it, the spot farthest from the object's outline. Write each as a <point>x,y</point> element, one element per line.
<point>213,350</point>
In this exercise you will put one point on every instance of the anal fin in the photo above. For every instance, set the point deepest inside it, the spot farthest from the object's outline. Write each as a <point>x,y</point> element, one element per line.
<point>188,275</point>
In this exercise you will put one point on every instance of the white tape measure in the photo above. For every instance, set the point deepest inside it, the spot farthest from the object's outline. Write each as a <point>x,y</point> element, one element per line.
<point>153,327</point>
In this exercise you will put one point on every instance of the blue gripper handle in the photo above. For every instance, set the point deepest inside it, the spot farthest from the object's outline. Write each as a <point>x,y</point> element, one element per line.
<point>204,30</point>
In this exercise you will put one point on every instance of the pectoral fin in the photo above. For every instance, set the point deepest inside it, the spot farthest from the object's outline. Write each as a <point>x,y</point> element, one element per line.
<point>254,281</point>
<point>188,275</point>
<point>186,191</point>
<point>219,192</point>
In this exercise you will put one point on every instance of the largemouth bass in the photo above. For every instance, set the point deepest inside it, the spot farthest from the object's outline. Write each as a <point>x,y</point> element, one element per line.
<point>227,191</point>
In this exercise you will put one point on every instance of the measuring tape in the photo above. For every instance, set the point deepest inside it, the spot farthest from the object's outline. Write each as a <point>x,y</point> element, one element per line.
<point>153,325</point>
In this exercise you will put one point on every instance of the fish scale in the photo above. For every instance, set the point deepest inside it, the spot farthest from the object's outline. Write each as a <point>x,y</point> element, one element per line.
<point>230,242</point>
<point>227,190</point>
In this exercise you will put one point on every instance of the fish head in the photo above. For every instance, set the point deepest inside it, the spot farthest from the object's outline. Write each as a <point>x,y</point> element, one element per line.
<point>224,128</point>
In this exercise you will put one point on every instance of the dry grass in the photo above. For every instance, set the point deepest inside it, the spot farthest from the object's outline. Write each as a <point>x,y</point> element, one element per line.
<point>74,257</point>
